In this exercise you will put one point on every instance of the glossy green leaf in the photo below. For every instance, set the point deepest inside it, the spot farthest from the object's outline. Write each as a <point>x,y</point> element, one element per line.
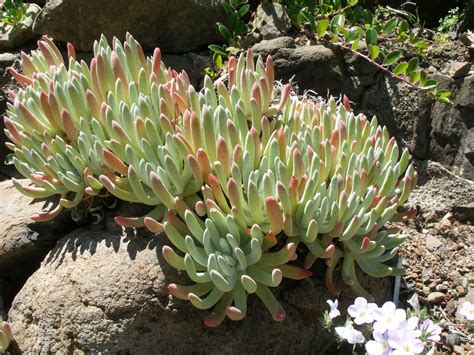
<point>390,26</point>
<point>402,29</point>
<point>392,58</point>
<point>443,93</point>
<point>414,76</point>
<point>430,83</point>
<point>355,45</point>
<point>368,17</point>
<point>224,32</point>
<point>401,68</point>
<point>321,27</point>
<point>218,49</point>
<point>371,37</point>
<point>226,7</point>
<point>413,64</point>
<point>423,77</point>
<point>243,10</point>
<point>337,22</point>
<point>374,51</point>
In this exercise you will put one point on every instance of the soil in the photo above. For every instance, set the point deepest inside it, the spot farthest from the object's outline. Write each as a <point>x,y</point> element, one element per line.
<point>437,256</point>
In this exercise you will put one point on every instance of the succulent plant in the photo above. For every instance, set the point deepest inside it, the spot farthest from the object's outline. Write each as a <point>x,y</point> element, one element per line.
<point>227,263</point>
<point>72,129</point>
<point>6,335</point>
<point>239,175</point>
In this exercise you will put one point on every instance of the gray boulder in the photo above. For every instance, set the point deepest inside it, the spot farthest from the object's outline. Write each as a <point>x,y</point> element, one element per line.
<point>174,26</point>
<point>16,36</point>
<point>429,129</point>
<point>319,68</point>
<point>23,243</point>
<point>271,21</point>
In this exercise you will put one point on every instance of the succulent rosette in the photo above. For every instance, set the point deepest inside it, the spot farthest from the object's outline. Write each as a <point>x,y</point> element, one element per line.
<point>227,263</point>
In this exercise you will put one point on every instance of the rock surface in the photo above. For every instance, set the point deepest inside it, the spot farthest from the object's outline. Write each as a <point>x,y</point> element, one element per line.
<point>429,129</point>
<point>318,68</point>
<point>103,291</point>
<point>23,243</point>
<point>459,70</point>
<point>174,26</point>
<point>439,192</point>
<point>14,37</point>
<point>271,21</point>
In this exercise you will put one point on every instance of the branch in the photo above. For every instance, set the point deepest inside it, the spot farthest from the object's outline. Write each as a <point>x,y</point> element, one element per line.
<point>378,65</point>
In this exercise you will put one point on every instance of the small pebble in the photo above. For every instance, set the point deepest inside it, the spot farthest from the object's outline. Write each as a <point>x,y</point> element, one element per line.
<point>441,288</point>
<point>432,242</point>
<point>461,290</point>
<point>453,339</point>
<point>435,297</point>
<point>425,291</point>
<point>459,70</point>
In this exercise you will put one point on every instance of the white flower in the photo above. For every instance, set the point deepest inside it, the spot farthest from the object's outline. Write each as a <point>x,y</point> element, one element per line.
<point>430,330</point>
<point>362,311</point>
<point>378,346</point>
<point>388,317</point>
<point>405,345</point>
<point>407,328</point>
<point>334,312</point>
<point>467,310</point>
<point>353,336</point>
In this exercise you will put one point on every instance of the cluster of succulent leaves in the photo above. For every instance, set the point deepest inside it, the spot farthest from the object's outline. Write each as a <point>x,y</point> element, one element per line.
<point>240,175</point>
<point>6,335</point>
<point>12,11</point>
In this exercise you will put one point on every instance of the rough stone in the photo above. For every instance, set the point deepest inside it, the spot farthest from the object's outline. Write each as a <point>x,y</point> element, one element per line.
<point>429,129</point>
<point>14,37</point>
<point>23,243</point>
<point>316,68</point>
<point>174,26</point>
<point>320,69</point>
<point>459,70</point>
<point>405,112</point>
<point>98,291</point>
<point>432,242</point>
<point>271,21</point>
<point>272,47</point>
<point>467,39</point>
<point>464,95</point>
<point>452,127</point>
<point>435,297</point>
